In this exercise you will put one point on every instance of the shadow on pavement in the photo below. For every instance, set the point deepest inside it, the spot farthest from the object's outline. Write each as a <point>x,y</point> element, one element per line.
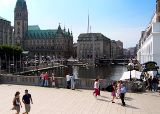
<point>103,96</point>
<point>102,100</point>
<point>128,99</point>
<point>128,106</point>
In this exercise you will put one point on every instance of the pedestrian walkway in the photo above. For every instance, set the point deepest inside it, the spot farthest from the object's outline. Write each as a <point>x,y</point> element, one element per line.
<point>65,101</point>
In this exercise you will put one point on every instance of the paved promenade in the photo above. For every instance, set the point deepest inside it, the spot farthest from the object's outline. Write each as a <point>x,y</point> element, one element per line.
<point>64,101</point>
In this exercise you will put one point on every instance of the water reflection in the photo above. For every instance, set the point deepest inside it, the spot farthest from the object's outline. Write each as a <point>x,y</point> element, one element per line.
<point>88,72</point>
<point>109,73</point>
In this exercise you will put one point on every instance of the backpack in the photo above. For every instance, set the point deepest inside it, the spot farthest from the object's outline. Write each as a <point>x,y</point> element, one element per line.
<point>109,88</point>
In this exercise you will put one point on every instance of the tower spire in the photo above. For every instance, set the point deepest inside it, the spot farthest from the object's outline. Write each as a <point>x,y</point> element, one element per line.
<point>88,23</point>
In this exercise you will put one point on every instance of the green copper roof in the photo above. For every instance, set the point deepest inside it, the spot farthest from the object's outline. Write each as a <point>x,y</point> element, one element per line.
<point>34,32</point>
<point>41,34</point>
<point>21,4</point>
<point>33,27</point>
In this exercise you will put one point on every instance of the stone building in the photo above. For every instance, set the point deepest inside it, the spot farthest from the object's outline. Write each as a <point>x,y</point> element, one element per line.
<point>6,32</point>
<point>52,42</point>
<point>116,49</point>
<point>75,50</point>
<point>148,47</point>
<point>113,49</point>
<point>119,49</point>
<point>93,42</point>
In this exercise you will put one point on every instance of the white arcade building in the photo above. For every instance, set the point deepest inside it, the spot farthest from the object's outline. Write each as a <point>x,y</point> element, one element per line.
<point>149,43</point>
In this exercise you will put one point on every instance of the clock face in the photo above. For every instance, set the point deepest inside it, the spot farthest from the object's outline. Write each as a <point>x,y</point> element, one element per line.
<point>18,23</point>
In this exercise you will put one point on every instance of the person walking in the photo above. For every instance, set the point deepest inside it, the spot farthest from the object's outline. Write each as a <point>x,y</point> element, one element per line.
<point>149,82</point>
<point>27,98</point>
<point>17,103</point>
<point>68,79</point>
<point>39,79</point>
<point>122,94</point>
<point>155,83</point>
<point>72,78</point>
<point>46,79</point>
<point>118,89</point>
<point>53,80</point>
<point>42,78</point>
<point>96,88</point>
<point>113,93</point>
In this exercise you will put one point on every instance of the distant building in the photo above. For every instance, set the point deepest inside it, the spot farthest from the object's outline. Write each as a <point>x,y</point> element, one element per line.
<point>148,47</point>
<point>6,32</point>
<point>129,53</point>
<point>116,49</point>
<point>87,42</point>
<point>113,49</point>
<point>51,42</point>
<point>75,50</point>
<point>119,49</point>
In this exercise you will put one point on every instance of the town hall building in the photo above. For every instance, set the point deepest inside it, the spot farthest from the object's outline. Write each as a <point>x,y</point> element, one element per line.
<point>50,42</point>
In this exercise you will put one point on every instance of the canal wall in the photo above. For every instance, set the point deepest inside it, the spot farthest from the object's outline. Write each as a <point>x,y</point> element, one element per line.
<point>59,81</point>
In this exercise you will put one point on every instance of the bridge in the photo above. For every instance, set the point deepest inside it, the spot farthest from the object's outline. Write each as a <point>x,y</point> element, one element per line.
<point>104,61</point>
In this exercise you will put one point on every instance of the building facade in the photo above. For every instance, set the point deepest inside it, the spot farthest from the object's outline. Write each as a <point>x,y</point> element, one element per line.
<point>148,47</point>
<point>54,43</point>
<point>93,42</point>
<point>6,32</point>
<point>119,49</point>
<point>75,50</point>
<point>116,49</point>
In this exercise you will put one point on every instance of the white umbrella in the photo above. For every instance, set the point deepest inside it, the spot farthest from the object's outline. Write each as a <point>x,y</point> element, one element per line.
<point>134,74</point>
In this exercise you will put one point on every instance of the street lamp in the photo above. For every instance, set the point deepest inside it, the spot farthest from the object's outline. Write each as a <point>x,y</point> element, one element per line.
<point>130,69</point>
<point>0,64</point>
<point>130,78</point>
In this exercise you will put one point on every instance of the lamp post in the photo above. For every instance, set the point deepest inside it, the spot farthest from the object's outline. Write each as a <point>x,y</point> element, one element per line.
<point>130,72</point>
<point>0,64</point>
<point>130,64</point>
<point>35,58</point>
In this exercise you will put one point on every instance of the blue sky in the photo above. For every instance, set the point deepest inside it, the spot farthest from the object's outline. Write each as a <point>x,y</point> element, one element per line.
<point>117,19</point>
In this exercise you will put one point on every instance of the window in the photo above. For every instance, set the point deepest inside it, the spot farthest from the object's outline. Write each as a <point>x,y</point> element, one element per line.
<point>18,31</point>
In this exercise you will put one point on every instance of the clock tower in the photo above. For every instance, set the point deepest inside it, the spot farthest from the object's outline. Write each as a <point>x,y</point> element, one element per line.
<point>20,22</point>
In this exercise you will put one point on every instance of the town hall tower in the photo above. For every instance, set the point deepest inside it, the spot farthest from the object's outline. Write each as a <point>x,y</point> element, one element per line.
<point>20,22</point>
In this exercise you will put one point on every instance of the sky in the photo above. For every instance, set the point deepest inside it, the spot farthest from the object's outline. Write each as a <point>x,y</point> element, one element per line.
<point>117,19</point>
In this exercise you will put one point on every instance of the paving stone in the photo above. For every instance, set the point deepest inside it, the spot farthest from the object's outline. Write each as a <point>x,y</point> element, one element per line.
<point>65,101</point>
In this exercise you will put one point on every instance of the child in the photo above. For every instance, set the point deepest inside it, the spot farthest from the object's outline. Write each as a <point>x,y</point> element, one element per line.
<point>113,92</point>
<point>96,88</point>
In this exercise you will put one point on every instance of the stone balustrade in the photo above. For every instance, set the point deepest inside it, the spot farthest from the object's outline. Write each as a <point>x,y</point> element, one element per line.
<point>20,80</point>
<point>61,82</point>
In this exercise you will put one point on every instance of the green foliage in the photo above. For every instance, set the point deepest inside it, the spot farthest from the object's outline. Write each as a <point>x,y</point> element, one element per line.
<point>8,51</point>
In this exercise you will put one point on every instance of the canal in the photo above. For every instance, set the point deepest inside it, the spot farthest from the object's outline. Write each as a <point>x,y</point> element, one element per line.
<point>113,72</point>
<point>110,73</point>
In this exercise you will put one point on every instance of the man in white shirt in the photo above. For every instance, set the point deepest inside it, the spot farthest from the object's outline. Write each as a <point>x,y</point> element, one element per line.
<point>72,81</point>
<point>68,79</point>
